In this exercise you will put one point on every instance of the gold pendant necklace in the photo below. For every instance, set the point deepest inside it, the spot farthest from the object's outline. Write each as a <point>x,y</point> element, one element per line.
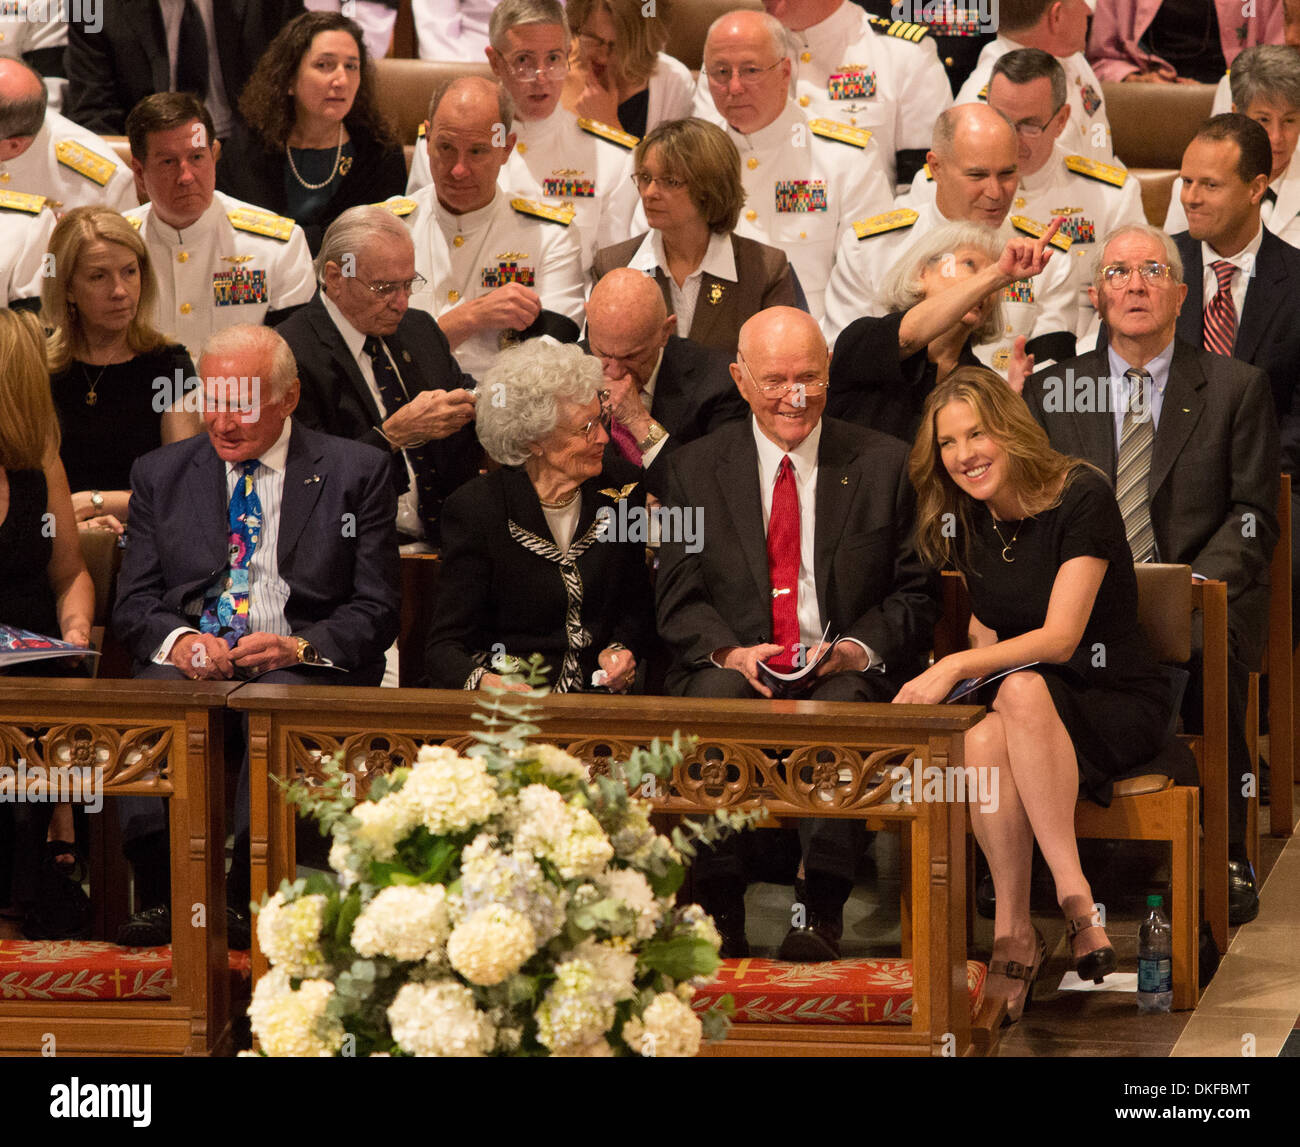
<point>91,396</point>
<point>1006,545</point>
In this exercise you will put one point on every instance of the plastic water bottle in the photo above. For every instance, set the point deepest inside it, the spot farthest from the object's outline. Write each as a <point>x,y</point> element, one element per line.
<point>1155,960</point>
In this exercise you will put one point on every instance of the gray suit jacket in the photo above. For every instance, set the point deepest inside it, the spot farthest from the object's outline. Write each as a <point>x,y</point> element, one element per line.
<point>1214,466</point>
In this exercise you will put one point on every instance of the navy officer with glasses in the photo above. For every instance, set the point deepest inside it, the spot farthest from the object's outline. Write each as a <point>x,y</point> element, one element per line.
<point>499,268</point>
<point>1190,440</point>
<point>576,167</point>
<point>378,371</point>
<point>807,531</point>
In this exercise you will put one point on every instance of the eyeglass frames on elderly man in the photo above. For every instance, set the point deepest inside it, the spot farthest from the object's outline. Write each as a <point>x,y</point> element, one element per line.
<point>748,74</point>
<point>383,290</point>
<point>778,389</point>
<point>525,66</point>
<point>1117,275</point>
<point>1031,130</point>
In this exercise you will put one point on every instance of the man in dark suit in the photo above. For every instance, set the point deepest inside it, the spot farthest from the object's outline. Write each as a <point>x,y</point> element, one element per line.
<point>376,370</point>
<point>808,524</point>
<point>137,47</point>
<point>263,548</point>
<point>1256,317</point>
<point>664,391</point>
<point>1190,441</point>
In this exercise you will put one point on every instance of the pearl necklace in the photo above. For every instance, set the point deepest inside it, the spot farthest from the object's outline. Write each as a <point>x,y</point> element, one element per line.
<point>338,155</point>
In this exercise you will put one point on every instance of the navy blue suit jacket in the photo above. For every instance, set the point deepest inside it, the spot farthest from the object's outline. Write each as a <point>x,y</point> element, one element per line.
<point>337,546</point>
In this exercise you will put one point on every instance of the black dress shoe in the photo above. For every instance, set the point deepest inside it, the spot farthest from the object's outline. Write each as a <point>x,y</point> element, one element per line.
<point>811,945</point>
<point>985,902</point>
<point>147,929</point>
<point>239,932</point>
<point>1243,898</point>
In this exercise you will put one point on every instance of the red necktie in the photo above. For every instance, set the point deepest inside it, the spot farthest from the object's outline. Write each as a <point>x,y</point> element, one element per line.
<point>1221,315</point>
<point>783,565</point>
<point>624,441</point>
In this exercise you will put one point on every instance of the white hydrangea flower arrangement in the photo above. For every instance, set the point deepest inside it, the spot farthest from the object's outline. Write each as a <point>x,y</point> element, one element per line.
<point>496,903</point>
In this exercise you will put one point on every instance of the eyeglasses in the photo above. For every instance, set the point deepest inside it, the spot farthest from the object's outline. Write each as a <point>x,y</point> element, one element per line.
<point>1031,130</point>
<point>587,430</point>
<point>1116,275</point>
<point>591,43</point>
<point>383,290</point>
<point>526,66</point>
<point>749,74</point>
<point>643,179</point>
<point>780,389</point>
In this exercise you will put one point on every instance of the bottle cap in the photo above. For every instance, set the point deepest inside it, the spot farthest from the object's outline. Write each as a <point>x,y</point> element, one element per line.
<point>1155,901</point>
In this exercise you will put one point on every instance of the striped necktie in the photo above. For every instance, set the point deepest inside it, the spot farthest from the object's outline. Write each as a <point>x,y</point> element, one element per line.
<point>1134,469</point>
<point>1220,327</point>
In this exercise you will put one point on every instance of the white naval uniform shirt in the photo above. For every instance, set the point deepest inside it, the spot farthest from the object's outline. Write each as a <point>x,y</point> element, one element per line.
<point>557,163</point>
<point>844,70</point>
<point>200,284</point>
<point>786,161</point>
<point>105,180</point>
<point>26,26</point>
<point>469,256</point>
<point>24,237</point>
<point>1092,208</point>
<point>1088,132</point>
<point>268,592</point>
<point>862,265</point>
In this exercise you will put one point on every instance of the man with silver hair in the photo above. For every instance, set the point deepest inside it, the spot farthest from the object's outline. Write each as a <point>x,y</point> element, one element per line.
<point>498,269</point>
<point>538,555</point>
<point>381,372</point>
<point>262,548</point>
<point>975,163</point>
<point>805,179</point>
<point>1264,84</point>
<point>1190,440</point>
<point>578,169</point>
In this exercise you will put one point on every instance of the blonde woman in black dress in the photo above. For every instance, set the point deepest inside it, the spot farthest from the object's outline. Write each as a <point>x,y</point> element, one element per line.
<point>1040,541</point>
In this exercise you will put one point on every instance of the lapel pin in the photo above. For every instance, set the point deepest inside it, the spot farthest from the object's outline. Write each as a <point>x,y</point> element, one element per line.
<point>406,356</point>
<point>1187,410</point>
<point>309,481</point>
<point>844,481</point>
<point>715,294</point>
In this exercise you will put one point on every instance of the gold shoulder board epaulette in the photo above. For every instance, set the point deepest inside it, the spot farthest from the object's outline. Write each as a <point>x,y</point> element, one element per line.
<point>983,94</point>
<point>1094,169</point>
<point>399,205</point>
<point>22,201</point>
<point>420,131</point>
<point>1036,229</point>
<point>903,29</point>
<point>890,221</point>
<point>261,223</point>
<point>840,132</point>
<point>563,215</point>
<point>929,175</point>
<point>612,134</point>
<point>84,161</point>
<point>135,221</point>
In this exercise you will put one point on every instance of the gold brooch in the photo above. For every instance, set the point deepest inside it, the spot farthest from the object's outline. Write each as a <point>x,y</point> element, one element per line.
<point>715,294</point>
<point>619,495</point>
<point>345,165</point>
<point>236,258</point>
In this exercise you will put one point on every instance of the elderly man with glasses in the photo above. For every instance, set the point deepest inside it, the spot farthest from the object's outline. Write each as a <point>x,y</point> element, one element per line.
<point>1190,440</point>
<point>376,370</point>
<point>807,534</point>
<point>579,169</point>
<point>498,269</point>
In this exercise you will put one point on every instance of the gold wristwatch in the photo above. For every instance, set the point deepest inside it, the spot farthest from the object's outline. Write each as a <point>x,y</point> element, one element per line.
<point>657,434</point>
<point>307,654</point>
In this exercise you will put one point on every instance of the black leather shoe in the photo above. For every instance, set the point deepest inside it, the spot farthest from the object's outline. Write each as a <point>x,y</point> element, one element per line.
<point>1243,897</point>
<point>147,929</point>
<point>239,933</point>
<point>985,902</point>
<point>810,945</point>
<point>724,900</point>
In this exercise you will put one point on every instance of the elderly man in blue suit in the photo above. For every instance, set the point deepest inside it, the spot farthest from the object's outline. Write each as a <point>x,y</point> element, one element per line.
<point>263,549</point>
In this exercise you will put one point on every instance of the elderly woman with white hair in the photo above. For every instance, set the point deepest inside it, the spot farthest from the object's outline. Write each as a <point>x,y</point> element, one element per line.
<point>539,556</point>
<point>945,297</point>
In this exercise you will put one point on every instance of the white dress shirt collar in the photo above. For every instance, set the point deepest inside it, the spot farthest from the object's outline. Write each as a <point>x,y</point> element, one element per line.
<point>803,457</point>
<point>352,337</point>
<point>274,458</point>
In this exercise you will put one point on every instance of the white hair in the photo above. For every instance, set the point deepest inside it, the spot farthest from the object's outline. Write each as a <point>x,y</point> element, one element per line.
<point>260,344</point>
<point>354,230</point>
<point>520,396</point>
<point>1172,257</point>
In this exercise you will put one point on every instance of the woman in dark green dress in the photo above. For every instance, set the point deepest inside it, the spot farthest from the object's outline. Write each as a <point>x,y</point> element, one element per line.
<point>1041,544</point>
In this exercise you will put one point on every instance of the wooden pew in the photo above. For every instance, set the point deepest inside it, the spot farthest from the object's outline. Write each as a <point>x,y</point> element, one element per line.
<point>838,759</point>
<point>149,738</point>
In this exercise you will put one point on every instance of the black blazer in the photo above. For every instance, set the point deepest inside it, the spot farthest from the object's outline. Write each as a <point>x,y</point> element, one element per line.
<point>1268,328</point>
<point>113,67</point>
<point>249,172</point>
<point>343,589</point>
<point>694,395</point>
<point>1214,467</point>
<point>496,594</point>
<point>871,584</point>
<point>335,399</point>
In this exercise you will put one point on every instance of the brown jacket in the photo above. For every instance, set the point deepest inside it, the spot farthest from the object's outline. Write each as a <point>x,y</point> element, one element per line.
<point>764,279</point>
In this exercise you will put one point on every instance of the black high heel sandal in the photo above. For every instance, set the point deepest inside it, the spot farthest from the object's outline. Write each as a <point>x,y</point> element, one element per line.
<point>1100,962</point>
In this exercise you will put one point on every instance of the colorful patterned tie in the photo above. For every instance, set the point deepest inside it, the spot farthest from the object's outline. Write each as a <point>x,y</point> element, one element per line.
<point>1221,316</point>
<point>783,565</point>
<point>226,611</point>
<point>1133,472</point>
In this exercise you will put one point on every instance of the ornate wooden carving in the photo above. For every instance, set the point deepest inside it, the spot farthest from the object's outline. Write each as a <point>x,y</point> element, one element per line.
<point>134,756</point>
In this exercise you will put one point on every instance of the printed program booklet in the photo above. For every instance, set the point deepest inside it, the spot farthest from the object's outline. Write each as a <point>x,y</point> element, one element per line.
<point>19,645</point>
